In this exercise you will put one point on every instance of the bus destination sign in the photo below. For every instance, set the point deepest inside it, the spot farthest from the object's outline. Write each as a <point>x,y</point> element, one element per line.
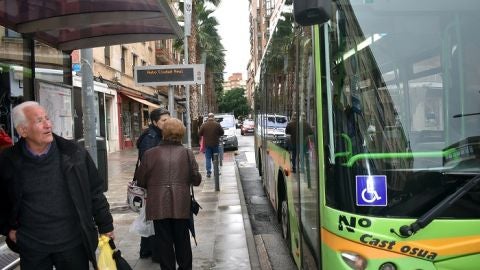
<point>170,75</point>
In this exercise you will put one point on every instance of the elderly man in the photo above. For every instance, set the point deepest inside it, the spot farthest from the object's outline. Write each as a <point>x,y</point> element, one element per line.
<point>52,205</point>
<point>211,132</point>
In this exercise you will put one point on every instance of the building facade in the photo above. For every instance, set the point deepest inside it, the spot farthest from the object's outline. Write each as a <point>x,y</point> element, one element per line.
<point>234,81</point>
<point>263,15</point>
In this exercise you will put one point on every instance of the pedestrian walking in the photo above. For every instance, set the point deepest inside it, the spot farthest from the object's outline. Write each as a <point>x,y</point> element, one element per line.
<point>151,137</point>
<point>167,171</point>
<point>52,205</point>
<point>211,132</point>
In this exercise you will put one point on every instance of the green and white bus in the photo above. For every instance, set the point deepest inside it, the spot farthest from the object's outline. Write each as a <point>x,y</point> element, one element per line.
<point>379,167</point>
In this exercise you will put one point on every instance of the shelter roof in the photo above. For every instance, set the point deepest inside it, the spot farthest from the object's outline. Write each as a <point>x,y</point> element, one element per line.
<point>78,24</point>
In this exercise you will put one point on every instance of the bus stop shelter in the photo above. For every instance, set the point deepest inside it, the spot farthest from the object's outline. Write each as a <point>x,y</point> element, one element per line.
<point>67,25</point>
<point>77,24</point>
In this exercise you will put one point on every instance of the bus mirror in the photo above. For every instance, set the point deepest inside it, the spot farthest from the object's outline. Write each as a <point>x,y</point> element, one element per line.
<point>308,12</point>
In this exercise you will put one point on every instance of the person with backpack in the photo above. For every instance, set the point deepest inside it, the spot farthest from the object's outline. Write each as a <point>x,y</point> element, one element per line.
<point>150,138</point>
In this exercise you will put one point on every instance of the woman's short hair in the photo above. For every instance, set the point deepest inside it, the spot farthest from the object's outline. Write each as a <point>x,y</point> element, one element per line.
<point>173,130</point>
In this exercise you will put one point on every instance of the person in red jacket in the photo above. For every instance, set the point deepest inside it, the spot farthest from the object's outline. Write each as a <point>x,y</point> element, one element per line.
<point>5,140</point>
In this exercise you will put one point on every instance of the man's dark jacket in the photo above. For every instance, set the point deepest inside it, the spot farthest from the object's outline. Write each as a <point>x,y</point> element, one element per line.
<point>151,137</point>
<point>211,132</point>
<point>84,186</point>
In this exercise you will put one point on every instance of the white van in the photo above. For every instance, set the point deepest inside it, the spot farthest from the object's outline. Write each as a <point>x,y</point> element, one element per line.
<point>227,121</point>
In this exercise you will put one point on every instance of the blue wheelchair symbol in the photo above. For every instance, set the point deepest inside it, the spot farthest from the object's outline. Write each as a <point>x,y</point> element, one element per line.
<point>371,190</point>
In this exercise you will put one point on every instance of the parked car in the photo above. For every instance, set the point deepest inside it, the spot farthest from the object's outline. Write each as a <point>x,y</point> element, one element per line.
<point>248,127</point>
<point>227,121</point>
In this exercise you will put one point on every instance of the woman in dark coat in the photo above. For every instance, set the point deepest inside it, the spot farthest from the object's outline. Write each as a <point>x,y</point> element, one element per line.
<point>167,171</point>
<point>151,137</point>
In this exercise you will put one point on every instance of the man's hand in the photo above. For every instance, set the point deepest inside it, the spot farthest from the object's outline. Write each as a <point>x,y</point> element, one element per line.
<point>12,234</point>
<point>110,234</point>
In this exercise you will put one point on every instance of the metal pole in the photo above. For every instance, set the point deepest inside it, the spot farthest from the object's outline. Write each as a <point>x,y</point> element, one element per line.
<point>171,106</point>
<point>187,11</point>
<point>88,104</point>
<point>220,152</point>
<point>201,101</point>
<point>216,174</point>
<point>187,105</point>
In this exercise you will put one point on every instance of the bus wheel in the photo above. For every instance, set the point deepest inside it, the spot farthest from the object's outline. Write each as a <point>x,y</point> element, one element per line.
<point>285,221</point>
<point>259,166</point>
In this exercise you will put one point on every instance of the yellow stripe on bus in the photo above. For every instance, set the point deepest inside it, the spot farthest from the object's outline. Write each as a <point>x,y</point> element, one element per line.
<point>341,244</point>
<point>452,246</point>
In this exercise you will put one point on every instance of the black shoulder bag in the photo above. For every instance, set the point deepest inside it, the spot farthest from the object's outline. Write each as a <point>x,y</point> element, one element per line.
<point>194,205</point>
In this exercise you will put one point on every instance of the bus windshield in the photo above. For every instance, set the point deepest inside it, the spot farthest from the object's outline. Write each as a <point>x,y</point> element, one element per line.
<point>404,93</point>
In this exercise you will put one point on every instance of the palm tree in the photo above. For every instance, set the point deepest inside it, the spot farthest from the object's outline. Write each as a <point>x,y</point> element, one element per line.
<point>201,21</point>
<point>211,48</point>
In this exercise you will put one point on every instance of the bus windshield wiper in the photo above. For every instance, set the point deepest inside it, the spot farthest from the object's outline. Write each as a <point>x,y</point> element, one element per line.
<point>423,221</point>
<point>465,114</point>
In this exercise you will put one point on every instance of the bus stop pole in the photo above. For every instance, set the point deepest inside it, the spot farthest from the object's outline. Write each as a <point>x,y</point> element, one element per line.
<point>88,103</point>
<point>187,27</point>
<point>216,174</point>
<point>171,105</point>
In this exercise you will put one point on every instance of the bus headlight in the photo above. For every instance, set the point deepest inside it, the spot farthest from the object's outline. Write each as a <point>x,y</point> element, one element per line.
<point>387,266</point>
<point>354,260</point>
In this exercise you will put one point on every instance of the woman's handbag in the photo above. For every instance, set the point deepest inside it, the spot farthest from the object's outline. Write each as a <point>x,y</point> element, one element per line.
<point>135,195</point>
<point>194,205</point>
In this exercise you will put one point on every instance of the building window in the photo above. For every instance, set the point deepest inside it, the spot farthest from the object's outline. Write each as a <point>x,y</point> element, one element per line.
<point>144,63</point>
<point>12,34</point>
<point>107,55</point>
<point>134,63</point>
<point>123,59</point>
<point>268,7</point>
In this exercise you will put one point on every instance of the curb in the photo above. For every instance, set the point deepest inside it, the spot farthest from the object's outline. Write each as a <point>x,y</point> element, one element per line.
<point>251,243</point>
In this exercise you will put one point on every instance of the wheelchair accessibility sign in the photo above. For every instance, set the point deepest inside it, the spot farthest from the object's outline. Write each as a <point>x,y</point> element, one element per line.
<point>371,190</point>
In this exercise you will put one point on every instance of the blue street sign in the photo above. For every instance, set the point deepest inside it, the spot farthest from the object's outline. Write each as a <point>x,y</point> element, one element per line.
<point>371,190</point>
<point>76,67</point>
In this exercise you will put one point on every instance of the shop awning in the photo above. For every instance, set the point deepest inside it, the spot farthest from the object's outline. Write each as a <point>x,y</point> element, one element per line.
<point>143,101</point>
<point>78,24</point>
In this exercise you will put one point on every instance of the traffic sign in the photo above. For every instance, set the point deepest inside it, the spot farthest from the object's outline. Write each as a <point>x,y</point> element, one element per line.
<point>161,75</point>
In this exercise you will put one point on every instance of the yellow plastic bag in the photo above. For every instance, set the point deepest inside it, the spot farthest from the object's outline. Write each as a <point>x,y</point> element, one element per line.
<point>105,256</point>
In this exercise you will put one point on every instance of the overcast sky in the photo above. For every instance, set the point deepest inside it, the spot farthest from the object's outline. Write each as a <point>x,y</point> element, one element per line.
<point>232,15</point>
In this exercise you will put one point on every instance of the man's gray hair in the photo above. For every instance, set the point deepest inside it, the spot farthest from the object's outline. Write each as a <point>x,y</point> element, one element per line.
<point>18,114</point>
<point>211,115</point>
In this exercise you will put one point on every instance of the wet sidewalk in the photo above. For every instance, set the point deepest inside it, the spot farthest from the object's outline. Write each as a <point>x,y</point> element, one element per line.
<point>222,227</point>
